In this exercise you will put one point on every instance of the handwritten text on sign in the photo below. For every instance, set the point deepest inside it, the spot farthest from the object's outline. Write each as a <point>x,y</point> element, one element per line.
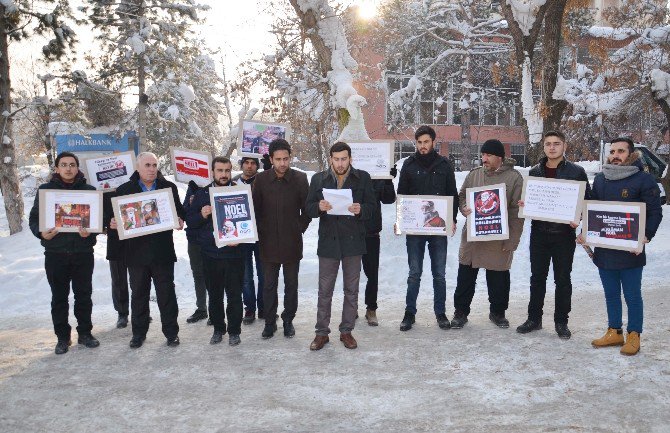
<point>551,200</point>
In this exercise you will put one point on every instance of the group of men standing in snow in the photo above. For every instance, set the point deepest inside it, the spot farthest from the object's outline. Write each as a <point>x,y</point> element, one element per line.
<point>285,203</point>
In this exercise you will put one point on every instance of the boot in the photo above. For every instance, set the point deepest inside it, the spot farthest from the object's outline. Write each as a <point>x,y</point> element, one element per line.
<point>122,321</point>
<point>216,337</point>
<point>632,345</point>
<point>197,316</point>
<point>459,320</point>
<point>371,317</point>
<point>613,337</point>
<point>443,321</point>
<point>407,321</point>
<point>62,346</point>
<point>88,340</point>
<point>269,330</point>
<point>529,326</point>
<point>249,317</point>
<point>499,319</point>
<point>348,340</point>
<point>319,342</point>
<point>289,329</point>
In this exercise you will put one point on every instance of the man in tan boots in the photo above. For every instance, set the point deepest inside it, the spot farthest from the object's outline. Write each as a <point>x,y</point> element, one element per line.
<point>623,179</point>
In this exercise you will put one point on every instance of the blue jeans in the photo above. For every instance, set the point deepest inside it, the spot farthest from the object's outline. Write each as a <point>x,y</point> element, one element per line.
<point>630,280</point>
<point>437,249</point>
<point>249,294</point>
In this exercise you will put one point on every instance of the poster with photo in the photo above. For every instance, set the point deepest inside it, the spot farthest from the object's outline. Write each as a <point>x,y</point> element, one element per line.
<point>488,219</point>
<point>107,172</point>
<point>68,210</point>
<point>614,225</point>
<point>552,200</point>
<point>375,157</point>
<point>255,137</point>
<point>191,165</point>
<point>145,213</point>
<point>424,215</point>
<point>233,215</point>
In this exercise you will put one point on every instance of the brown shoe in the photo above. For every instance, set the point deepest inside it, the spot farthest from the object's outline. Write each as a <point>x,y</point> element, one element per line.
<point>348,340</point>
<point>319,342</point>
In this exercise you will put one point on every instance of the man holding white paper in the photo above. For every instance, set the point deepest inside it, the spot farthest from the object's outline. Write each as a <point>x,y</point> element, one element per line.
<point>341,238</point>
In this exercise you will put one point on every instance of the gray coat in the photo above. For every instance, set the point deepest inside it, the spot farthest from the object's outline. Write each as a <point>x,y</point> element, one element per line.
<point>342,235</point>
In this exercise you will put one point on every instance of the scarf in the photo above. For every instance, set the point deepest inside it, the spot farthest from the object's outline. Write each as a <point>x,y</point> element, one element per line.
<point>618,172</point>
<point>426,160</point>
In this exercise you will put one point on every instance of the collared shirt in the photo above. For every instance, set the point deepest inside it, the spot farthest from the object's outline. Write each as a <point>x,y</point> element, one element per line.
<point>144,187</point>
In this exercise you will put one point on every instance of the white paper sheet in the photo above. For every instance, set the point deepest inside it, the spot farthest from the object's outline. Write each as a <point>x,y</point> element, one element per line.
<point>340,200</point>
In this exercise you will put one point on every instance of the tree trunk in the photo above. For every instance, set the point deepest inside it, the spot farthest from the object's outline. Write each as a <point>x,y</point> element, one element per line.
<point>666,179</point>
<point>9,176</point>
<point>142,99</point>
<point>466,139</point>
<point>553,109</point>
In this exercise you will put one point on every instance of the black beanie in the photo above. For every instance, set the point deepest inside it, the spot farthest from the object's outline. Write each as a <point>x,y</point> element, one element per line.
<point>244,158</point>
<point>493,147</point>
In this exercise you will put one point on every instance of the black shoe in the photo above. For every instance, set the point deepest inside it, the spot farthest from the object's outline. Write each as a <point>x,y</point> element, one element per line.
<point>261,314</point>
<point>529,326</point>
<point>563,331</point>
<point>499,320</point>
<point>62,346</point>
<point>137,341</point>
<point>459,320</point>
<point>269,330</point>
<point>407,321</point>
<point>173,341</point>
<point>289,330</point>
<point>249,317</point>
<point>234,340</point>
<point>216,337</point>
<point>443,321</point>
<point>122,321</point>
<point>88,340</point>
<point>197,316</point>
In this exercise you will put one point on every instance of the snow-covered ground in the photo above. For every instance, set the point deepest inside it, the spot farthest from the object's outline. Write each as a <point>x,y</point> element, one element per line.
<point>480,378</point>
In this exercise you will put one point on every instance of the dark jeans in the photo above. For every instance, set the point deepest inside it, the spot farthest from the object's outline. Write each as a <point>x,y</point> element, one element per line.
<point>560,250</point>
<point>371,270</point>
<point>225,275</point>
<point>199,280</point>
<point>630,280</point>
<point>290,290</point>
<point>162,275</point>
<point>498,284</point>
<point>119,275</point>
<point>437,249</point>
<point>249,295</point>
<point>63,269</point>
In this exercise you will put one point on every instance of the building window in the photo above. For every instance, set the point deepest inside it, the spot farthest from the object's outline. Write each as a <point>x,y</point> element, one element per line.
<point>403,149</point>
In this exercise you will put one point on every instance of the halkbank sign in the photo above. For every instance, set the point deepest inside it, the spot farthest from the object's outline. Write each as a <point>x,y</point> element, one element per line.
<point>103,143</point>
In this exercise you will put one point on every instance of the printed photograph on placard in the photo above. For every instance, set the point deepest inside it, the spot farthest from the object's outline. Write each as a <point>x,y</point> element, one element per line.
<point>424,215</point>
<point>488,220</point>
<point>107,172</point>
<point>145,213</point>
<point>191,165</point>
<point>375,157</point>
<point>614,225</point>
<point>552,200</point>
<point>255,137</point>
<point>233,215</point>
<point>68,211</point>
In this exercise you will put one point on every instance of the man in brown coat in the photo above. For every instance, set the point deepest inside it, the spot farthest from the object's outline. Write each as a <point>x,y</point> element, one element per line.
<point>279,203</point>
<point>494,256</point>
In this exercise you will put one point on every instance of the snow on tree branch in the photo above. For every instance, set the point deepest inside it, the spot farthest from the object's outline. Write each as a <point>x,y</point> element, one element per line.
<point>525,13</point>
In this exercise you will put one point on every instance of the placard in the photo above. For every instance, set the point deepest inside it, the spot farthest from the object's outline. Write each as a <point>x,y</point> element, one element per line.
<point>424,215</point>
<point>255,137</point>
<point>375,157</point>
<point>191,165</point>
<point>145,213</point>
<point>488,219</point>
<point>552,200</point>
<point>233,215</point>
<point>70,210</point>
<point>614,224</point>
<point>107,172</point>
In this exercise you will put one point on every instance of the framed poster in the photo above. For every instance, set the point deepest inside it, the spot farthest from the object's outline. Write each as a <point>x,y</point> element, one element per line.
<point>70,210</point>
<point>145,213</point>
<point>553,200</point>
<point>233,215</point>
<point>488,219</point>
<point>191,165</point>
<point>107,172</point>
<point>424,215</point>
<point>255,137</point>
<point>614,224</point>
<point>375,157</point>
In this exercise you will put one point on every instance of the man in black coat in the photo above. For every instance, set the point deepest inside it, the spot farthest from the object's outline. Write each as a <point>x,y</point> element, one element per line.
<point>341,240</point>
<point>68,259</point>
<point>195,260</point>
<point>552,242</point>
<point>118,270</point>
<point>427,173</point>
<point>151,257</point>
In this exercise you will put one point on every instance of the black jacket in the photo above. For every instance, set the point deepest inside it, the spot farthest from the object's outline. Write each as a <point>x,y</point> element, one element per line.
<point>155,248</point>
<point>438,179</point>
<point>341,235</point>
<point>62,242</point>
<point>384,193</point>
<point>188,200</point>
<point>568,171</point>
<point>114,246</point>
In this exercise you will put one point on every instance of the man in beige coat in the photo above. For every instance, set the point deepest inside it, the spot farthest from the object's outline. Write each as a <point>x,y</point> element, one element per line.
<point>494,256</point>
